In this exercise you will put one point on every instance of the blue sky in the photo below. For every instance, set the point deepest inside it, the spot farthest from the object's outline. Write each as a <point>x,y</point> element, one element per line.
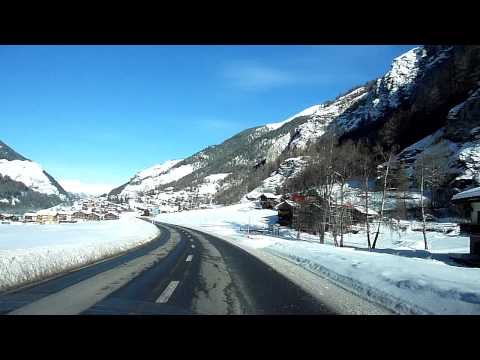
<point>98,114</point>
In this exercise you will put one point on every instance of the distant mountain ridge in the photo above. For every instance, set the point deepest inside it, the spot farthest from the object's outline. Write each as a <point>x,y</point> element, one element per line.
<point>24,185</point>
<point>413,100</point>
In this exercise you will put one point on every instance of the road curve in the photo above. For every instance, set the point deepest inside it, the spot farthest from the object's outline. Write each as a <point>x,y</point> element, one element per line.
<point>181,272</point>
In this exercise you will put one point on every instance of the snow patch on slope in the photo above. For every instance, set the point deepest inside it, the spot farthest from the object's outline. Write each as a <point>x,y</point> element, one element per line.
<point>325,115</point>
<point>307,112</point>
<point>157,169</point>
<point>151,178</point>
<point>29,173</point>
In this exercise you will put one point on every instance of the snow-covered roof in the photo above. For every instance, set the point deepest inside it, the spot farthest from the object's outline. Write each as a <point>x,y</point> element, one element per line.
<point>66,212</point>
<point>270,195</point>
<point>47,212</point>
<point>475,192</point>
<point>362,210</point>
<point>288,202</point>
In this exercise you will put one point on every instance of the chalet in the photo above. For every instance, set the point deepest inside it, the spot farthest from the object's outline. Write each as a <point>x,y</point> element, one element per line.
<point>285,212</point>
<point>308,218</point>
<point>29,218</point>
<point>80,215</point>
<point>111,216</point>
<point>94,217</point>
<point>268,200</point>
<point>358,213</point>
<point>46,217</point>
<point>469,201</point>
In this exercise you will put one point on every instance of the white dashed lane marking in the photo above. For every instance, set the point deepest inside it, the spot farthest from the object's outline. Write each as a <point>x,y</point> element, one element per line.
<point>163,298</point>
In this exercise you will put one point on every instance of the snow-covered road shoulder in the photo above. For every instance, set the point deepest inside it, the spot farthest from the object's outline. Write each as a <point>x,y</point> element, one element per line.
<point>30,252</point>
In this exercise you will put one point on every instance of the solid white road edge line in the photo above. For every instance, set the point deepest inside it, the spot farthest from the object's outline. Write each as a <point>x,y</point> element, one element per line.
<point>165,295</point>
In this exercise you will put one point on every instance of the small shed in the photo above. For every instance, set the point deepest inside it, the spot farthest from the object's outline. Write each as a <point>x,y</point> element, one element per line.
<point>470,199</point>
<point>285,212</point>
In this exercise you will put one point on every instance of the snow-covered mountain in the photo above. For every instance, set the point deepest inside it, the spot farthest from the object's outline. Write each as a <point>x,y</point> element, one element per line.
<point>427,89</point>
<point>24,184</point>
<point>458,141</point>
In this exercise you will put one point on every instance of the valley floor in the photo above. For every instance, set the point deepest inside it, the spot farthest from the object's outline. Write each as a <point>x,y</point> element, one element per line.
<point>398,274</point>
<point>31,252</point>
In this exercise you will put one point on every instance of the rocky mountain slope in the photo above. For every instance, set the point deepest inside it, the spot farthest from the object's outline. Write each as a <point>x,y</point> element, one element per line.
<point>24,185</point>
<point>428,97</point>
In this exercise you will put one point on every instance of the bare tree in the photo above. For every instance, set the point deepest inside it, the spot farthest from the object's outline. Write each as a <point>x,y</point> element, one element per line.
<point>420,172</point>
<point>366,171</point>
<point>402,185</point>
<point>430,172</point>
<point>345,164</point>
<point>387,158</point>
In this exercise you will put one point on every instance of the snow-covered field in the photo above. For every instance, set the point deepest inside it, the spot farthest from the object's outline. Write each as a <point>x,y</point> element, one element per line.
<point>399,274</point>
<point>31,251</point>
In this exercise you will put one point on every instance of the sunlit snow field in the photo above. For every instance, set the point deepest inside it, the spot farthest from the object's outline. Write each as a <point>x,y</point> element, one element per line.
<point>31,251</point>
<point>399,274</point>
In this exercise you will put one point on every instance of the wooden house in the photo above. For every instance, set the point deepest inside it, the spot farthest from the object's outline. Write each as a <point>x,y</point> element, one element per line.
<point>111,216</point>
<point>358,213</point>
<point>308,218</point>
<point>80,215</point>
<point>94,217</point>
<point>285,212</point>
<point>268,200</point>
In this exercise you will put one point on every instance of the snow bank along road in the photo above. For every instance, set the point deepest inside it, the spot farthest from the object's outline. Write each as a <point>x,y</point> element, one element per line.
<point>183,271</point>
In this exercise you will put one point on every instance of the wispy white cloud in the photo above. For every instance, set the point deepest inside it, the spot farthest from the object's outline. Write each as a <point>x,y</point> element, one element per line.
<point>220,124</point>
<point>255,76</point>
<point>76,186</point>
<point>250,76</point>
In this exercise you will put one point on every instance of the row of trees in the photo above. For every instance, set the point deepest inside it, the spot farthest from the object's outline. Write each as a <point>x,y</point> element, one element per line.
<point>373,168</point>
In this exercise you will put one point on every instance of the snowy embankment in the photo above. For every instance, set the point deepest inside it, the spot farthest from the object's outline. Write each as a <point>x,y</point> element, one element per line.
<point>30,252</point>
<point>399,274</point>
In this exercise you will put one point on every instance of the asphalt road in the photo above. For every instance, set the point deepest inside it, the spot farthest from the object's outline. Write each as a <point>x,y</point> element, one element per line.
<point>182,271</point>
